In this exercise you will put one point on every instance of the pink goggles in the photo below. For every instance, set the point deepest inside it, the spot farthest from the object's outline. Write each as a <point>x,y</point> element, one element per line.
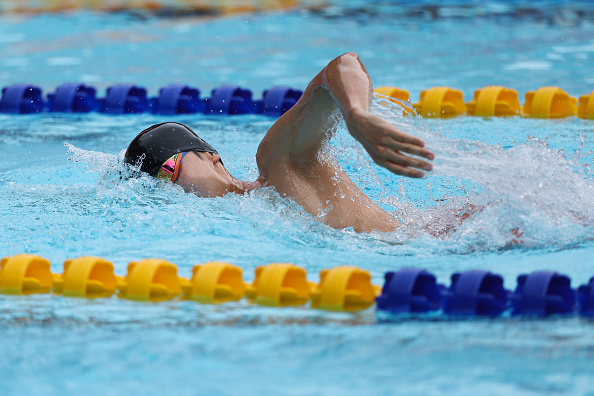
<point>171,168</point>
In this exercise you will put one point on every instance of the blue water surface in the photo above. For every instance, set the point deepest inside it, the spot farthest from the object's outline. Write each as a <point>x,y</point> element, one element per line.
<point>62,196</point>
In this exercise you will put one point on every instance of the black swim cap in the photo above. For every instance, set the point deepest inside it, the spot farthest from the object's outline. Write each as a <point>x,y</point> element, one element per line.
<point>155,145</point>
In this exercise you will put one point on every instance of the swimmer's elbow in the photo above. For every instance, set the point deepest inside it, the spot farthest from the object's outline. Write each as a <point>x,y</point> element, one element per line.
<point>352,55</point>
<point>348,58</point>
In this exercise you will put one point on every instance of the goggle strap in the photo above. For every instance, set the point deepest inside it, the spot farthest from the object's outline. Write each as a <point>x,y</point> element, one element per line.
<point>177,167</point>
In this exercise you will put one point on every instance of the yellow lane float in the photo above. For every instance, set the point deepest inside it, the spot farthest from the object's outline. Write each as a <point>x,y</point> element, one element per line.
<point>215,283</point>
<point>88,277</point>
<point>441,102</point>
<point>25,274</point>
<point>393,93</point>
<point>586,106</point>
<point>344,288</point>
<point>150,280</point>
<point>397,96</point>
<point>279,284</point>
<point>549,102</point>
<point>494,101</point>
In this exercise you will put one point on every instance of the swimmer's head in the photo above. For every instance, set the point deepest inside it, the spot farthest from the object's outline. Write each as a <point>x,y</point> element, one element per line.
<point>157,144</point>
<point>173,151</point>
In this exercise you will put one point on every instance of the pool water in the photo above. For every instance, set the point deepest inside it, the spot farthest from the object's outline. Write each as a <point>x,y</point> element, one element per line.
<point>62,196</point>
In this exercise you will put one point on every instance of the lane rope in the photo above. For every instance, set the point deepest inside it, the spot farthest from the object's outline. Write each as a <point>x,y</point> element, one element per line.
<point>342,288</point>
<point>435,102</point>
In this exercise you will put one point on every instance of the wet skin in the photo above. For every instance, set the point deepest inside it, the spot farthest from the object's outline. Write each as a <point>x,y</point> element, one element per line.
<point>290,159</point>
<point>206,176</point>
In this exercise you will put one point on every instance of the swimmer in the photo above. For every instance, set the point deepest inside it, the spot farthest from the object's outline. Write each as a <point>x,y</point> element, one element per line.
<point>290,158</point>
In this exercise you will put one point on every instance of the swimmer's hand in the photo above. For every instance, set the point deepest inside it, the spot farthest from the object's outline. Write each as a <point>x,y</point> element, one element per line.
<point>387,146</point>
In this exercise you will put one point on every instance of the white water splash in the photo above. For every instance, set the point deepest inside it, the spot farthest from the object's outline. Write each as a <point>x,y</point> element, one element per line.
<point>530,195</point>
<point>96,161</point>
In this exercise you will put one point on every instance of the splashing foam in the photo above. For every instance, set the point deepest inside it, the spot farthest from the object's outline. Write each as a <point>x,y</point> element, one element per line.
<point>528,196</point>
<point>119,181</point>
<point>96,161</point>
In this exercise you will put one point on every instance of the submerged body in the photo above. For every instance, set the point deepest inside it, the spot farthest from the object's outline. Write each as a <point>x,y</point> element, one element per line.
<point>290,159</point>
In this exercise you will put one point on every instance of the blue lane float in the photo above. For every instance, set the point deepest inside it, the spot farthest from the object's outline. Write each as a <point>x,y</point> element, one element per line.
<point>177,99</point>
<point>475,293</point>
<point>229,100</point>
<point>482,293</point>
<point>410,290</point>
<point>277,101</point>
<point>123,99</point>
<point>543,293</point>
<point>72,98</point>
<point>21,99</point>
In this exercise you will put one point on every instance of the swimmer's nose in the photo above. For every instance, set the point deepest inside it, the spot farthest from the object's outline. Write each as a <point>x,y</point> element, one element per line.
<point>216,159</point>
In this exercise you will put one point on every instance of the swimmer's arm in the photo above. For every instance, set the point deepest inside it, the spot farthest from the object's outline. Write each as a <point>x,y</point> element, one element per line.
<point>299,134</point>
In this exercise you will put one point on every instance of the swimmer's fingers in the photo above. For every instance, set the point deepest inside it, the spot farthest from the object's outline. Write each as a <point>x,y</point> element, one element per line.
<point>403,171</point>
<point>392,155</point>
<point>388,155</point>
<point>406,161</point>
<point>393,134</point>
<point>402,142</point>
<point>397,168</point>
<point>413,149</point>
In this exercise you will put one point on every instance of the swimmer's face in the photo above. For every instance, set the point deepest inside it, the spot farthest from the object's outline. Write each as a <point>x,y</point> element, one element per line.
<point>205,175</point>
